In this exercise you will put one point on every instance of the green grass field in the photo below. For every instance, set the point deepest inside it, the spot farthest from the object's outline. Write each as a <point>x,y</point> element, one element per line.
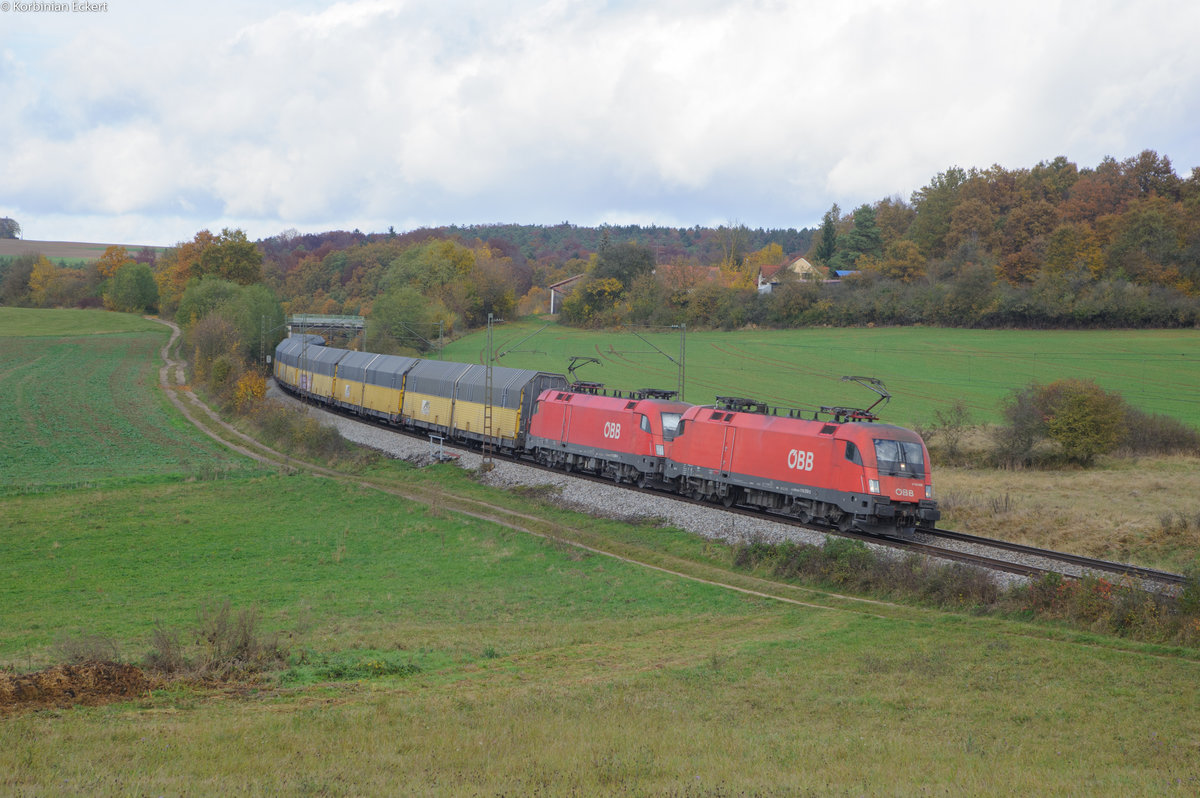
<point>436,654</point>
<point>79,407</point>
<point>532,668</point>
<point>924,368</point>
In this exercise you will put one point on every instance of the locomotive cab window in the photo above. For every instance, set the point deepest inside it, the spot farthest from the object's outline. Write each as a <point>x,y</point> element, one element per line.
<point>852,453</point>
<point>672,424</point>
<point>900,458</point>
<point>644,423</point>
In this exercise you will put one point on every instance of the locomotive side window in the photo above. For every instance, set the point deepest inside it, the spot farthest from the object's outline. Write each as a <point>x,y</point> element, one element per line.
<point>852,453</point>
<point>644,423</point>
<point>900,458</point>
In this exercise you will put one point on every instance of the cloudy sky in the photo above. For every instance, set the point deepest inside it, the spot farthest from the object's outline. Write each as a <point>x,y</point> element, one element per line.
<point>147,121</point>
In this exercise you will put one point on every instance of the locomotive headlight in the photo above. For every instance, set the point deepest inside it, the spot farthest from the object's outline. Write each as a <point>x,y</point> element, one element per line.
<point>873,485</point>
<point>929,491</point>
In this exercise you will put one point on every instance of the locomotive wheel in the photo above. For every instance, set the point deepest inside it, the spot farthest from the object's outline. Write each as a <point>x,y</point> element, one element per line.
<point>641,480</point>
<point>729,498</point>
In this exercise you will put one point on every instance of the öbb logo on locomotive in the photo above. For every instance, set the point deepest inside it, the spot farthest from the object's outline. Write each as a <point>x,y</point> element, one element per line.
<point>800,460</point>
<point>612,430</point>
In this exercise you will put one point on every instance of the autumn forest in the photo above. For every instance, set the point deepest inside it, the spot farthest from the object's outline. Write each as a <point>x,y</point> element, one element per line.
<point>1053,245</point>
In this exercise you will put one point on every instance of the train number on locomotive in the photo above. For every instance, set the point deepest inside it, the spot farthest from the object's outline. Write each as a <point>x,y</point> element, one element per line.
<point>800,460</point>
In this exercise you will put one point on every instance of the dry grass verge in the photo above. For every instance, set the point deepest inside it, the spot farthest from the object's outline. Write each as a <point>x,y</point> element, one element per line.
<point>1146,509</point>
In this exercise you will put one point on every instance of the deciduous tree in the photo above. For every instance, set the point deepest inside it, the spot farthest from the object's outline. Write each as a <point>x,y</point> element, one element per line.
<point>132,289</point>
<point>903,261</point>
<point>935,204</point>
<point>624,263</point>
<point>111,261</point>
<point>46,283</point>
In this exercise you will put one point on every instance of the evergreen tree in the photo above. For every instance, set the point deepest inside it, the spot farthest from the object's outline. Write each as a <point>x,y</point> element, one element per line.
<point>863,239</point>
<point>828,243</point>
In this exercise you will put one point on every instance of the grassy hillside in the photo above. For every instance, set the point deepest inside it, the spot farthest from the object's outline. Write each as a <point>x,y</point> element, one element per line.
<point>438,654</point>
<point>924,368</point>
<point>79,406</point>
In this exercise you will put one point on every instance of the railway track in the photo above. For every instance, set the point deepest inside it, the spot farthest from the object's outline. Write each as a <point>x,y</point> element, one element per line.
<point>992,554</point>
<point>1082,565</point>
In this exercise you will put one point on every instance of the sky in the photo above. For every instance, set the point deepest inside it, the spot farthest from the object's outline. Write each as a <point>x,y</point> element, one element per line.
<point>143,122</point>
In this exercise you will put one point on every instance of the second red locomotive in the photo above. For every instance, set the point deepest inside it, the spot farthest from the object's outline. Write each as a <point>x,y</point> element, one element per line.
<point>622,437</point>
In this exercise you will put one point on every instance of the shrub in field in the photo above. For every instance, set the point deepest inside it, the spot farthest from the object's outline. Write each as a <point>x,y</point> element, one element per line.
<point>1047,596</point>
<point>76,649</point>
<point>250,390</point>
<point>1189,598</point>
<point>228,643</point>
<point>851,563</point>
<point>1078,417</point>
<point>948,428</point>
<point>212,337</point>
<point>845,560</point>
<point>1092,603</point>
<point>295,433</point>
<point>166,652</point>
<point>222,372</point>
<point>231,642</point>
<point>1154,434</point>
<point>1019,435</point>
<point>1082,418</point>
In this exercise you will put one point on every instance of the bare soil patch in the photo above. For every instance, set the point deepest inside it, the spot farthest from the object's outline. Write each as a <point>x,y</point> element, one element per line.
<point>89,684</point>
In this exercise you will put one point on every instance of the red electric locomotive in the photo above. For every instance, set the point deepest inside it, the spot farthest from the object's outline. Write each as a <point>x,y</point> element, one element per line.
<point>621,437</point>
<point>846,471</point>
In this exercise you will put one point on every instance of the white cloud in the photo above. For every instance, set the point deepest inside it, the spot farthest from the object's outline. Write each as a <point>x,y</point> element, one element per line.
<point>364,114</point>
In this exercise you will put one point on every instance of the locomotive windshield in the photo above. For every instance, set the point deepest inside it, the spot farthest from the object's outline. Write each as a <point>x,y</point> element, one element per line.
<point>670,423</point>
<point>900,458</point>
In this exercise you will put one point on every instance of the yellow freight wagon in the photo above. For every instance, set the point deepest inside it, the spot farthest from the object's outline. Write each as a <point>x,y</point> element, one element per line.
<point>293,360</point>
<point>372,384</point>
<point>451,398</point>
<point>444,398</point>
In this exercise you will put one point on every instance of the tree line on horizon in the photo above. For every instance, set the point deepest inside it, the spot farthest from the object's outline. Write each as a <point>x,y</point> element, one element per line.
<point>1054,245</point>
